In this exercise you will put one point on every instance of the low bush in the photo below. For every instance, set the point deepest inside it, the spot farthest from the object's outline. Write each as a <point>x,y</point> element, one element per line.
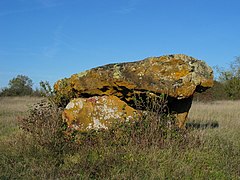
<point>153,127</point>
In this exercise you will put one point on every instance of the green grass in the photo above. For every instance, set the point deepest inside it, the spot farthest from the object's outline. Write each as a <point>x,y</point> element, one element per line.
<point>205,153</point>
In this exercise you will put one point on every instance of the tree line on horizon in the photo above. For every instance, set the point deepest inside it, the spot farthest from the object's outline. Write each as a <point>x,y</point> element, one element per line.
<point>226,86</point>
<point>21,85</point>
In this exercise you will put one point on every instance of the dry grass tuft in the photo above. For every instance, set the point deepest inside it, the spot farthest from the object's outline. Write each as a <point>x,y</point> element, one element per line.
<point>225,113</point>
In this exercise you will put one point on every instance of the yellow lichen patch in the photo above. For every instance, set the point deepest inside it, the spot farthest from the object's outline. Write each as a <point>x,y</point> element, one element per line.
<point>97,112</point>
<point>186,90</point>
<point>73,109</point>
<point>181,73</point>
<point>207,83</point>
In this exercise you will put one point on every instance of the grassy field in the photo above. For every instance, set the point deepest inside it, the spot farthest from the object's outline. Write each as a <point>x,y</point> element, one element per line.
<point>212,152</point>
<point>11,109</point>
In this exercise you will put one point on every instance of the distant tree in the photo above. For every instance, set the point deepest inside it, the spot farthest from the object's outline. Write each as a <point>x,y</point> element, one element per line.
<point>18,86</point>
<point>230,78</point>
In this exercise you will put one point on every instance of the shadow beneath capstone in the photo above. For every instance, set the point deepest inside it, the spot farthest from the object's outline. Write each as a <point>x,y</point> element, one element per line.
<point>199,125</point>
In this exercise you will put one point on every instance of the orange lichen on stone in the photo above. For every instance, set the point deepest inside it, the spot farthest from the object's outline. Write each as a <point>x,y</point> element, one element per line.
<point>180,73</point>
<point>97,112</point>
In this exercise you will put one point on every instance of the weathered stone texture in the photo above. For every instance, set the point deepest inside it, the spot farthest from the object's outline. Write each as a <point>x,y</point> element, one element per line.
<point>97,112</point>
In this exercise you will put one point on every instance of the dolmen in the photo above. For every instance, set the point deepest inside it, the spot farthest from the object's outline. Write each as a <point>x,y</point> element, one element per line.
<point>101,96</point>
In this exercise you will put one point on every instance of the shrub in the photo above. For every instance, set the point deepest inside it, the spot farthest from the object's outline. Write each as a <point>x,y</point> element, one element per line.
<point>155,127</point>
<point>45,126</point>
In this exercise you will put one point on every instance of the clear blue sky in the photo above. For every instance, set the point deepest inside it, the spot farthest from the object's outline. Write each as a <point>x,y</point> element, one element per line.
<point>52,39</point>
